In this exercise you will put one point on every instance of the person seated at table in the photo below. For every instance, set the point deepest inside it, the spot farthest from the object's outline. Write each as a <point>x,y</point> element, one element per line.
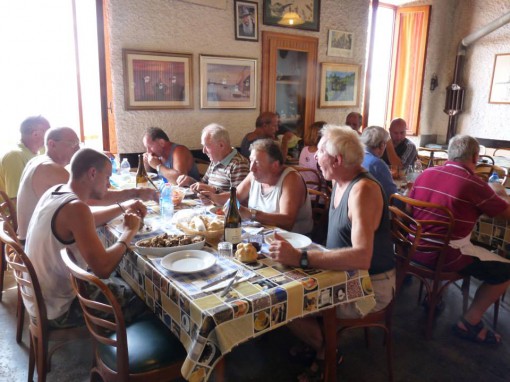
<point>63,219</point>
<point>228,167</point>
<point>359,235</point>
<point>13,161</point>
<point>47,170</point>
<point>274,193</point>
<point>169,159</point>
<point>307,156</point>
<point>374,138</point>
<point>354,121</point>
<point>266,126</point>
<point>400,152</point>
<point>455,186</point>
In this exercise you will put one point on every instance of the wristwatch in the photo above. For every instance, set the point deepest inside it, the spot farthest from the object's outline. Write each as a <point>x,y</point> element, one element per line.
<point>303,262</point>
<point>253,213</point>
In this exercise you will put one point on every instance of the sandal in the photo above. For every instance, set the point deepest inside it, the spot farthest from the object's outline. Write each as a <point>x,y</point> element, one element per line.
<point>472,331</point>
<point>315,373</point>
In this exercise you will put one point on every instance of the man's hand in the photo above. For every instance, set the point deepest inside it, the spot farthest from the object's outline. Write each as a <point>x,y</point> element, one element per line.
<point>283,252</point>
<point>152,160</point>
<point>185,180</point>
<point>201,187</point>
<point>146,193</point>
<point>131,222</point>
<point>136,207</point>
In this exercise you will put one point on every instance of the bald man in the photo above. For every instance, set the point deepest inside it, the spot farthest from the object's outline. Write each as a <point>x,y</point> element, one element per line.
<point>400,151</point>
<point>354,120</point>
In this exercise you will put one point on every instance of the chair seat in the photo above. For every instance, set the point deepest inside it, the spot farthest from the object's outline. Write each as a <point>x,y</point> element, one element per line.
<point>151,346</point>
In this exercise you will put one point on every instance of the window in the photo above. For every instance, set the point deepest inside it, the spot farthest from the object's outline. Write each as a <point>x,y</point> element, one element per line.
<point>39,67</point>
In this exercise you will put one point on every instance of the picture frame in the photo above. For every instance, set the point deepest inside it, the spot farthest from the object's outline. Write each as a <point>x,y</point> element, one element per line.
<point>246,26</point>
<point>157,80</point>
<point>339,85</point>
<point>340,43</point>
<point>228,82</point>
<point>500,83</point>
<point>309,10</point>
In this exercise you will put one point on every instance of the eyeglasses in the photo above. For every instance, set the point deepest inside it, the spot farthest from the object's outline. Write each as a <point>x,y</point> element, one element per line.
<point>71,143</point>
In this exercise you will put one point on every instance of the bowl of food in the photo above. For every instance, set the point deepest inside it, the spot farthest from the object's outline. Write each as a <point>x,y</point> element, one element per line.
<point>162,245</point>
<point>210,228</point>
<point>217,210</point>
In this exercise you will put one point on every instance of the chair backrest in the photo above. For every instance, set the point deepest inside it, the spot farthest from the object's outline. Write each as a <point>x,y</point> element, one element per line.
<point>406,234</point>
<point>484,171</point>
<point>202,165</point>
<point>313,178</point>
<point>320,210</point>
<point>27,280</point>
<point>102,318</point>
<point>502,152</point>
<point>485,159</point>
<point>8,211</point>
<point>435,232</point>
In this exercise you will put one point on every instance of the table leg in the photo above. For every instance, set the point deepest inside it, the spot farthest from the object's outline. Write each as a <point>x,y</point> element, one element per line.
<point>329,323</point>
<point>219,371</point>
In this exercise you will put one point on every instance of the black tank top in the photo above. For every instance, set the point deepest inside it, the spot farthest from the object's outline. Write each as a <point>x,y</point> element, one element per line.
<point>339,230</point>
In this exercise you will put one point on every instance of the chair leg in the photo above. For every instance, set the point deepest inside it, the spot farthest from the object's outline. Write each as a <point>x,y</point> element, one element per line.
<point>31,360</point>
<point>389,354</point>
<point>2,271</point>
<point>20,313</point>
<point>496,313</point>
<point>465,293</point>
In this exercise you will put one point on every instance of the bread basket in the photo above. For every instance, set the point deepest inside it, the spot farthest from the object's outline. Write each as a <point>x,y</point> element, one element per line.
<point>212,237</point>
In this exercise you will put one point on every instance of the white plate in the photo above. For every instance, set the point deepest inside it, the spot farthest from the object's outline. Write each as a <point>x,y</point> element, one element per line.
<point>189,261</point>
<point>214,209</point>
<point>163,251</point>
<point>118,224</point>
<point>295,239</point>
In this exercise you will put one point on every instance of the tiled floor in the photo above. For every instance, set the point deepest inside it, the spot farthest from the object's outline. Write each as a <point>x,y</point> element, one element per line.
<point>444,358</point>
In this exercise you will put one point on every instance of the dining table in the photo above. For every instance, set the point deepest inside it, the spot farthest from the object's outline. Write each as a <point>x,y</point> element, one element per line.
<point>266,295</point>
<point>494,234</point>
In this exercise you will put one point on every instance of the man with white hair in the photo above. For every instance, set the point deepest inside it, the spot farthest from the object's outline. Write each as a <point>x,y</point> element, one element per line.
<point>228,167</point>
<point>359,234</point>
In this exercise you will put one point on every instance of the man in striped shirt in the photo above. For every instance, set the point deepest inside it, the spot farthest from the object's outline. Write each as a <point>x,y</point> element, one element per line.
<point>456,186</point>
<point>228,167</point>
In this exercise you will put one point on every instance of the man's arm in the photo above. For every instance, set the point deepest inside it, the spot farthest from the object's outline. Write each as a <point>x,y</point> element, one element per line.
<point>365,211</point>
<point>75,221</point>
<point>119,196</point>
<point>292,198</point>
<point>392,154</point>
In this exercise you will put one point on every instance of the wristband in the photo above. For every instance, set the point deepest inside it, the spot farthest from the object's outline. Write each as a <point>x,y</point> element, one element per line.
<point>125,245</point>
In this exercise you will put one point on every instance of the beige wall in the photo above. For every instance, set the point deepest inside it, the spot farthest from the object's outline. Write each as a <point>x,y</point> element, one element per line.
<point>178,26</point>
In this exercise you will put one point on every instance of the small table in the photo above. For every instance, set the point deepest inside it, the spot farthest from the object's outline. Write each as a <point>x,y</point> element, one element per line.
<point>209,326</point>
<point>493,233</point>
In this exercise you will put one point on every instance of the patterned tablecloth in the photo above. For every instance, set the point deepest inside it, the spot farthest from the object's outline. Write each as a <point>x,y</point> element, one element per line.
<point>209,326</point>
<point>494,233</point>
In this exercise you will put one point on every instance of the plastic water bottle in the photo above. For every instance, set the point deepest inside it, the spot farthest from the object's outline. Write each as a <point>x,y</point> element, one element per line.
<point>494,178</point>
<point>166,205</point>
<point>125,167</point>
<point>114,165</point>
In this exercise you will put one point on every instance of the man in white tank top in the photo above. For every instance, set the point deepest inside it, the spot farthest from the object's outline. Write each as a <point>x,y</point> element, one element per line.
<point>63,219</point>
<point>274,193</point>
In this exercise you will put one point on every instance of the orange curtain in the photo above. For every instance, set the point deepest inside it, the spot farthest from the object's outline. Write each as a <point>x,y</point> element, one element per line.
<point>410,44</point>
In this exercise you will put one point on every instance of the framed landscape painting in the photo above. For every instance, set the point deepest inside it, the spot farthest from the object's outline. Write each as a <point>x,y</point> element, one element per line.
<point>157,80</point>
<point>339,85</point>
<point>227,82</point>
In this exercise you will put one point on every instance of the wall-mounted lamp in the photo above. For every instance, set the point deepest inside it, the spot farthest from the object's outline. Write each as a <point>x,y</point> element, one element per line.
<point>291,19</point>
<point>433,82</point>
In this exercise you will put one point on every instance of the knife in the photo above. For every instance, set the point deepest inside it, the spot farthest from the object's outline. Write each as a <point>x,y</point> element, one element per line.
<point>219,279</point>
<point>230,283</point>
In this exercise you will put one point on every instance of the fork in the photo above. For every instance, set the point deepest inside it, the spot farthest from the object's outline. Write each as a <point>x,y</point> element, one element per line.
<point>229,285</point>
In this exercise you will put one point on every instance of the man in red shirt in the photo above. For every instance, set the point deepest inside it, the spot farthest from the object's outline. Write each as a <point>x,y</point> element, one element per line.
<point>455,186</point>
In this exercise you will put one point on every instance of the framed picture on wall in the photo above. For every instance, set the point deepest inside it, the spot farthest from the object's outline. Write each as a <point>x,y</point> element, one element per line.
<point>500,85</point>
<point>246,20</point>
<point>339,85</point>
<point>157,80</point>
<point>306,11</point>
<point>340,43</point>
<point>228,82</point>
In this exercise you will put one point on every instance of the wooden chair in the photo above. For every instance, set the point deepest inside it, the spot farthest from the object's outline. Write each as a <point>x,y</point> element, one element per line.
<point>484,171</point>
<point>202,165</point>
<point>485,159</point>
<point>145,350</point>
<point>502,152</point>
<point>8,214</point>
<point>320,214</point>
<point>40,334</point>
<point>433,238</point>
<point>432,157</point>
<point>313,178</point>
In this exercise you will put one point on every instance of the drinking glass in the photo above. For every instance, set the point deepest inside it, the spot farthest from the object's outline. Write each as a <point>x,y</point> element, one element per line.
<point>225,249</point>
